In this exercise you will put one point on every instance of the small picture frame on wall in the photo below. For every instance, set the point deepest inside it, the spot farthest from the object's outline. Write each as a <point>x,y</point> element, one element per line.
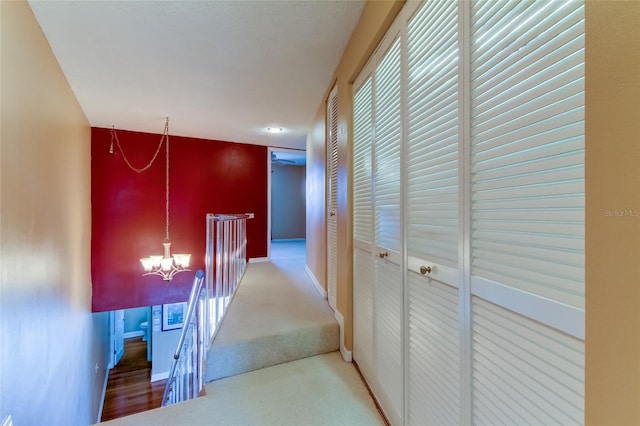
<point>173,315</point>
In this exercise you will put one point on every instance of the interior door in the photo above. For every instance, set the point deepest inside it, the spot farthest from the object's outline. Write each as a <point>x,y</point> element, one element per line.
<point>388,282</point>
<point>332,198</point>
<point>363,227</point>
<point>378,230</point>
<point>433,219</point>
<point>117,335</point>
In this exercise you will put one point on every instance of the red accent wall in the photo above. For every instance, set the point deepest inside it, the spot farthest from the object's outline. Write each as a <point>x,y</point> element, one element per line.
<point>128,210</point>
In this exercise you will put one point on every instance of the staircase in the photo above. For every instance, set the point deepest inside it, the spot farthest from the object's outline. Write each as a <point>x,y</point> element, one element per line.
<point>276,316</point>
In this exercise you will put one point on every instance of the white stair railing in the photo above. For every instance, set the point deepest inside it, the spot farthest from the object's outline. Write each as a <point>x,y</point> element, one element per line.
<point>226,261</point>
<point>186,374</point>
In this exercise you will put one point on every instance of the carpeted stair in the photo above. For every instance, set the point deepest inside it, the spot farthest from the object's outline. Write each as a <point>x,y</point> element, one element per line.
<point>276,316</point>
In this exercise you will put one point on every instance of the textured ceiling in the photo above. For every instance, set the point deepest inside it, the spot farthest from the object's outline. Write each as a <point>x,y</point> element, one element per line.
<point>219,70</point>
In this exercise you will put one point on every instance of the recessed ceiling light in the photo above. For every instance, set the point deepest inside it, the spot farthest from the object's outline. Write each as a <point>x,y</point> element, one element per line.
<point>275,129</point>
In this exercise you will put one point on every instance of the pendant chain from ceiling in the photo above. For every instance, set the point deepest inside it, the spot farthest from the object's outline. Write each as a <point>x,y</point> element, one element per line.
<point>165,136</point>
<point>114,137</point>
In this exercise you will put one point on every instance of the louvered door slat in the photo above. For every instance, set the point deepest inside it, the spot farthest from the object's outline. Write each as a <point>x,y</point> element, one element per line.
<point>432,138</point>
<point>550,32</point>
<point>388,337</point>
<point>363,310</point>
<point>554,137</point>
<point>362,178</point>
<point>527,142</point>
<point>527,368</point>
<point>433,353</point>
<point>387,106</point>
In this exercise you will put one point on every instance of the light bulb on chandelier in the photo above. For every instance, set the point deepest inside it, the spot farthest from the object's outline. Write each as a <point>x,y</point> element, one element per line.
<point>166,265</point>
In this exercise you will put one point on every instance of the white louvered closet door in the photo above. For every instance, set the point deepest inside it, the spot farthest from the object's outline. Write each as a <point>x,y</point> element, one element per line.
<point>468,274</point>
<point>332,194</point>
<point>433,225</point>
<point>527,212</point>
<point>389,296</point>
<point>377,231</point>
<point>363,278</point>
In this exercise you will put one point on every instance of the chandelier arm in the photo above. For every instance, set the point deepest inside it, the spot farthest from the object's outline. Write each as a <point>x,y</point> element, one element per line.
<point>167,275</point>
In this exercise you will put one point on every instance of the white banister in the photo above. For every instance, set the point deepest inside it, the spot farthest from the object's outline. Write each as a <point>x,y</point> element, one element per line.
<point>226,261</point>
<point>185,377</point>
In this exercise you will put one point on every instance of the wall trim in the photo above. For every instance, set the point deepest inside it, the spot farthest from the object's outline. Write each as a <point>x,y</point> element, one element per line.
<point>104,394</point>
<point>315,282</point>
<point>130,334</point>
<point>160,376</point>
<point>259,259</point>
<point>346,354</point>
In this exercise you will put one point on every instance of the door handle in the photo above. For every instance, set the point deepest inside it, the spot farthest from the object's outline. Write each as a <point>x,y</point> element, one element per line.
<point>383,254</point>
<point>425,270</point>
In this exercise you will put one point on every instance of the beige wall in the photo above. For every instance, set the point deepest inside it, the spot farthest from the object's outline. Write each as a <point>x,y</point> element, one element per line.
<point>612,183</point>
<point>315,200</point>
<point>613,242</point>
<point>47,328</point>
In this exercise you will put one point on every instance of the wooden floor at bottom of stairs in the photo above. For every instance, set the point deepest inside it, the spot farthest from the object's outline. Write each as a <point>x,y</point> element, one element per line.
<point>129,388</point>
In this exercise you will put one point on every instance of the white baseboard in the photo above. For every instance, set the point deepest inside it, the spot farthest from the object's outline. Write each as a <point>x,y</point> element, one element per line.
<point>159,376</point>
<point>258,259</point>
<point>315,282</point>
<point>129,334</point>
<point>104,394</point>
<point>346,354</point>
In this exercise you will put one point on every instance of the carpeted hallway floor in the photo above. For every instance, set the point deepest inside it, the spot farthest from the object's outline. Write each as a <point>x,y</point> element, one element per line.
<point>321,390</point>
<point>276,301</point>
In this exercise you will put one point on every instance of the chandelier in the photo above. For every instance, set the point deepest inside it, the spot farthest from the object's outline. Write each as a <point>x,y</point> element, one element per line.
<point>165,265</point>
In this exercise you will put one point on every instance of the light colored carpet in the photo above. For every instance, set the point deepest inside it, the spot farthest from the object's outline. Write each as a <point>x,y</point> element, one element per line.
<point>276,316</point>
<point>321,390</point>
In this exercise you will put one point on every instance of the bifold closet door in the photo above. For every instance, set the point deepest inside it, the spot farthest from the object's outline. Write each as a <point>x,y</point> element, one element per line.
<point>433,218</point>
<point>469,266</point>
<point>332,197</point>
<point>378,278</point>
<point>527,212</point>
<point>388,287</point>
<point>363,281</point>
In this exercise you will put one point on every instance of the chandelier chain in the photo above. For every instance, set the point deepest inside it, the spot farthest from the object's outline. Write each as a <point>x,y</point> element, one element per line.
<point>114,137</point>
<point>164,138</point>
<point>166,265</point>
<point>166,134</point>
